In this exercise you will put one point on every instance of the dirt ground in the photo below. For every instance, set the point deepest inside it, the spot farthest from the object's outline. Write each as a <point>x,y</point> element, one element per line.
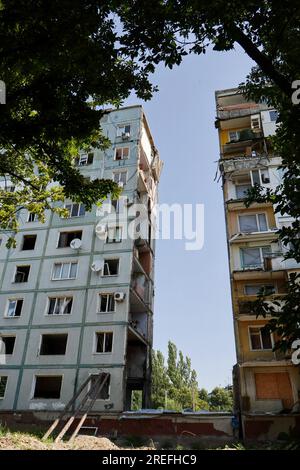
<point>20,441</point>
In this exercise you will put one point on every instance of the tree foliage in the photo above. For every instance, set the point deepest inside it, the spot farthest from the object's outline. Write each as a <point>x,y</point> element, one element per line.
<point>174,384</point>
<point>65,61</point>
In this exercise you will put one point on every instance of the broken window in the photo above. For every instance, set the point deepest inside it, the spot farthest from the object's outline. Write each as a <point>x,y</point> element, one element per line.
<point>14,307</point>
<point>123,130</point>
<point>32,217</point>
<point>75,210</point>
<point>256,288</point>
<point>22,273</point>
<point>253,223</point>
<point>53,344</point>
<point>65,238</point>
<point>47,386</point>
<point>28,242</point>
<point>3,384</point>
<point>254,257</point>
<point>85,159</point>
<point>9,344</point>
<point>106,303</point>
<point>122,153</point>
<point>104,342</point>
<point>259,338</point>
<point>114,235</point>
<point>64,271</point>
<point>60,305</point>
<point>111,267</point>
<point>120,177</point>
<point>103,394</point>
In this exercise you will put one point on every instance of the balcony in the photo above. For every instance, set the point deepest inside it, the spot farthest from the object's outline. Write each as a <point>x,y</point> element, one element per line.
<point>276,262</point>
<point>138,323</point>
<point>246,303</point>
<point>237,110</point>
<point>241,163</point>
<point>245,144</point>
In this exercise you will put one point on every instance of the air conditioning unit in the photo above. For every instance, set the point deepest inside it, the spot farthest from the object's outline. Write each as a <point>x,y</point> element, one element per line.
<point>119,296</point>
<point>125,135</point>
<point>97,266</point>
<point>101,231</point>
<point>75,244</point>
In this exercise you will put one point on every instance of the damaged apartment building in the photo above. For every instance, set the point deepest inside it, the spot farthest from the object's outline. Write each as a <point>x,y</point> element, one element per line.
<point>265,381</point>
<point>76,294</point>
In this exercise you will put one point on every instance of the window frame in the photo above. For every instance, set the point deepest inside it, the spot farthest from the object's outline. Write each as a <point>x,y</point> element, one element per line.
<point>61,270</point>
<point>15,273</point>
<point>97,333</point>
<point>120,132</point>
<point>261,286</point>
<point>72,204</point>
<point>116,228</point>
<point>256,215</point>
<point>105,262</point>
<point>56,299</point>
<point>7,307</point>
<point>100,294</point>
<point>260,248</point>
<point>35,217</point>
<point>121,148</point>
<point>120,172</point>
<point>260,337</point>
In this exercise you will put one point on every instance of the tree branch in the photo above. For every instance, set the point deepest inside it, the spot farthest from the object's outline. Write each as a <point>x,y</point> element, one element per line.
<point>261,59</point>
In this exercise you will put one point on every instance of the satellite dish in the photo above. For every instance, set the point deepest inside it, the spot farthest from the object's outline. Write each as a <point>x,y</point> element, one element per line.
<point>97,265</point>
<point>75,244</point>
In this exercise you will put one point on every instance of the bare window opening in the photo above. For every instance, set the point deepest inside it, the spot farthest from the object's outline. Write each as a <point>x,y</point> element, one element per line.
<point>14,308</point>
<point>104,342</point>
<point>60,305</point>
<point>28,242</point>
<point>106,303</point>
<point>65,238</point>
<point>3,384</point>
<point>104,392</point>
<point>111,267</point>
<point>53,344</point>
<point>47,386</point>
<point>22,273</point>
<point>9,344</point>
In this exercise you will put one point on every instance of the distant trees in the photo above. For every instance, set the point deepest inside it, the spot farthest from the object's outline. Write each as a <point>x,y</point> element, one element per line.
<point>175,385</point>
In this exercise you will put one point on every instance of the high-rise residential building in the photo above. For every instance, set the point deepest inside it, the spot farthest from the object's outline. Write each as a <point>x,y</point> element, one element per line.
<point>77,291</point>
<point>265,381</point>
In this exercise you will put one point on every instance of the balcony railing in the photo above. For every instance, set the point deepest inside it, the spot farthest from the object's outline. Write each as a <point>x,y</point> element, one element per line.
<point>242,163</point>
<point>239,110</point>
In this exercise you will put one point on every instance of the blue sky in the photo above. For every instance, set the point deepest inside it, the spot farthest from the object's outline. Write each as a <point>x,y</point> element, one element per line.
<point>192,301</point>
